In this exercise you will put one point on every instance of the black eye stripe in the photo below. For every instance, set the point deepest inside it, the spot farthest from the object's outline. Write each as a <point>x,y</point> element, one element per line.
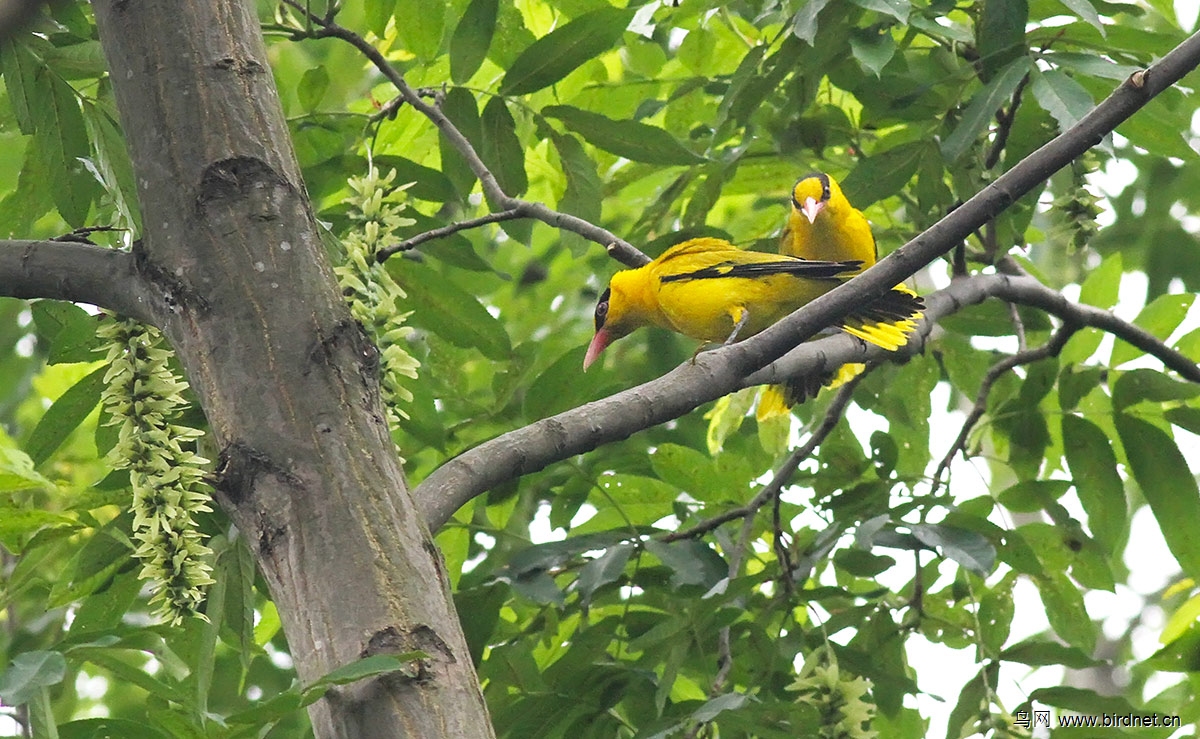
<point>819,177</point>
<point>602,308</point>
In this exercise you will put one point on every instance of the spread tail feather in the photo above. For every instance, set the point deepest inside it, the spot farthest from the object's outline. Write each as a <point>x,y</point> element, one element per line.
<point>887,321</point>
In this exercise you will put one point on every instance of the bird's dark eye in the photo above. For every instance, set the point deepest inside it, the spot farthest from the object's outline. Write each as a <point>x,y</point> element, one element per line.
<point>602,309</point>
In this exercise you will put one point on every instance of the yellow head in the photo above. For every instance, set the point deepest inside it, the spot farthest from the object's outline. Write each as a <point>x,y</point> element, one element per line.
<point>626,304</point>
<point>813,193</point>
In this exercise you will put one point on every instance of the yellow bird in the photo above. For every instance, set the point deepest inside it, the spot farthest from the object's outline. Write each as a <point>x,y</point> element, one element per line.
<point>822,224</point>
<point>710,290</point>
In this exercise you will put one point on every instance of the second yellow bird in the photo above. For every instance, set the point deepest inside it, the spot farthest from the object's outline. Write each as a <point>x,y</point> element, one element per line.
<point>710,290</point>
<point>824,225</point>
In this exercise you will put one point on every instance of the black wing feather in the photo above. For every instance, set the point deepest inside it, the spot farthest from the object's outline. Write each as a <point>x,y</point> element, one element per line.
<point>810,268</point>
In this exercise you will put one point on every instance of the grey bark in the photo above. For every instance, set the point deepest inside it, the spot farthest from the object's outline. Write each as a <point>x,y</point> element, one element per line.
<point>236,276</point>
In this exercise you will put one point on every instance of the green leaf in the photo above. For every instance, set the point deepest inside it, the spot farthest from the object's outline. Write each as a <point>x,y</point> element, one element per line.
<point>1185,417</point>
<point>1061,97</point>
<point>804,25</point>
<point>584,194</point>
<point>1081,700</point>
<point>603,570</point>
<point>969,549</point>
<point>111,162</point>
<point>1093,468</point>
<point>630,139</point>
<point>1085,10</point>
<point>1040,652</point>
<point>873,49</point>
<point>60,138</point>
<point>64,416</point>
<point>562,386</point>
<point>69,330</point>
<point>883,175</point>
<point>1160,318</point>
<point>541,557</point>
<point>692,562</point>
<point>559,52</point>
<point>449,311</point>
<point>106,728</point>
<point>459,106</point>
<point>17,525</point>
<point>1065,610</point>
<point>421,24</point>
<point>1162,475</point>
<point>898,9</point>
<point>965,714</point>
<point>996,611</point>
<point>472,38</point>
<point>360,669</point>
<point>501,150</point>
<point>1093,65</point>
<point>28,673</point>
<point>1159,130</point>
<point>93,566</point>
<point>312,88</point>
<point>712,708</point>
<point>1000,34</point>
<point>378,14</point>
<point>428,183</point>
<point>1033,495</point>
<point>104,609</point>
<point>983,106</point>
<point>21,69</point>
<point>686,468</point>
<point>1103,284</point>
<point>1147,385</point>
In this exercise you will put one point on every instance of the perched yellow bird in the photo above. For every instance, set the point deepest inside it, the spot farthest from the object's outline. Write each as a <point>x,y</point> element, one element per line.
<point>822,224</point>
<point>710,290</point>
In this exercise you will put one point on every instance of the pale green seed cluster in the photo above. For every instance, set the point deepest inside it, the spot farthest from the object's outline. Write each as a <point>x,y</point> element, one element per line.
<point>371,291</point>
<point>845,712</point>
<point>143,395</point>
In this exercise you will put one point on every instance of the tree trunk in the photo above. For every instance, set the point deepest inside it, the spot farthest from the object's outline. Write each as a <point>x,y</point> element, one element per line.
<point>242,287</point>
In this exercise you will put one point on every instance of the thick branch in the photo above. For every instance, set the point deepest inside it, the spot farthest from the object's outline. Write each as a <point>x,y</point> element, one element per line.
<point>721,371</point>
<point>1127,99</point>
<point>717,372</point>
<point>834,351</point>
<point>82,273</point>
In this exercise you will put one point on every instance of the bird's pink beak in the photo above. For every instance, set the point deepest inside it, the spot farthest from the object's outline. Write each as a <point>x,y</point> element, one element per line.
<point>812,208</point>
<point>602,339</point>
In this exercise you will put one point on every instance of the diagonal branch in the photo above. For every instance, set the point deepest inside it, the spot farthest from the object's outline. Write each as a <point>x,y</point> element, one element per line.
<point>826,310</point>
<point>83,273</point>
<point>453,228</point>
<point>834,351</point>
<point>620,249</point>
<point>718,372</point>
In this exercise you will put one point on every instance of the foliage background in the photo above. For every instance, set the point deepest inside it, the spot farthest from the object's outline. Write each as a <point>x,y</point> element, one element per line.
<point>658,121</point>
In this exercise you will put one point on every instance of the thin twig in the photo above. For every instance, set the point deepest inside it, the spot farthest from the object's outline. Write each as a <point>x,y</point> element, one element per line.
<point>1005,118</point>
<point>995,372</point>
<point>785,471</point>
<point>453,228</point>
<point>1018,327</point>
<point>620,249</point>
<point>771,491</point>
